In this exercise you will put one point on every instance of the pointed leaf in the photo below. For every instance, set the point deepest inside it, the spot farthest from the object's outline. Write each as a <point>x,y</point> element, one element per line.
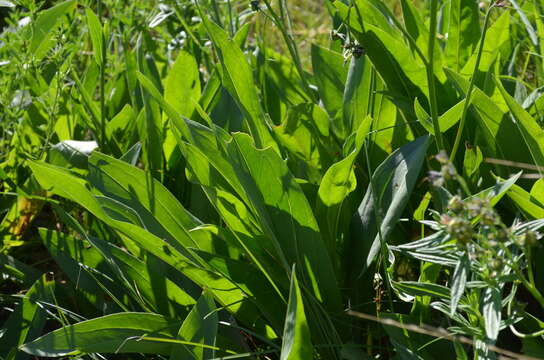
<point>297,342</point>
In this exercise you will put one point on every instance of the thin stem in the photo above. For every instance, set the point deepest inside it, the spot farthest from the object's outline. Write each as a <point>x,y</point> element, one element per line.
<point>102,80</point>
<point>430,76</point>
<point>470,87</point>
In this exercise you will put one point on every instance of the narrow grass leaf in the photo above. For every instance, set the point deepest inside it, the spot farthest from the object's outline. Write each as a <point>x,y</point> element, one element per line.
<point>97,36</point>
<point>200,326</point>
<point>118,333</point>
<point>297,342</point>
<point>531,132</point>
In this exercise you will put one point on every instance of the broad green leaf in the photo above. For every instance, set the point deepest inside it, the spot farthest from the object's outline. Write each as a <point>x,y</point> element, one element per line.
<point>501,136</point>
<point>285,215</point>
<point>150,124</point>
<point>238,79</point>
<point>463,32</point>
<point>118,333</point>
<point>71,153</point>
<point>446,120</point>
<point>330,76</point>
<point>209,165</point>
<point>27,320</point>
<point>358,93</point>
<point>305,134</point>
<point>70,252</point>
<point>97,36</point>
<point>296,342</point>
<point>531,132</point>
<point>44,25</point>
<point>384,201</point>
<point>148,197</point>
<point>339,181</point>
<point>200,326</point>
<point>182,85</point>
<point>65,184</point>
<point>472,161</point>
<point>537,192</point>
<point>523,201</point>
<point>497,35</point>
<point>459,281</point>
<point>414,24</point>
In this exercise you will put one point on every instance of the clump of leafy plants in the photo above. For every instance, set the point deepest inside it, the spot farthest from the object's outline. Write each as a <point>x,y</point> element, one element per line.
<point>201,180</point>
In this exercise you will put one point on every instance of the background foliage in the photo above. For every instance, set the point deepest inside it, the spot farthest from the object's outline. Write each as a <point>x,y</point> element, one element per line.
<point>271,179</point>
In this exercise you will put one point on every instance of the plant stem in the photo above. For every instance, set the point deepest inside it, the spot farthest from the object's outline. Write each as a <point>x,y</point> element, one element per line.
<point>102,80</point>
<point>470,87</point>
<point>430,76</point>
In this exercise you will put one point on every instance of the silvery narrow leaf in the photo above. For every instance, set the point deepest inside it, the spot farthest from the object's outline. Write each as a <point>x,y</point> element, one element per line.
<point>459,281</point>
<point>5,3</point>
<point>491,310</point>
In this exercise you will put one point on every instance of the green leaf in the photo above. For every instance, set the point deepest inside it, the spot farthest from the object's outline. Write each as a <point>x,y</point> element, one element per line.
<point>357,99</point>
<point>501,137</point>
<point>182,85</point>
<point>253,283</point>
<point>43,27</point>
<point>148,197</point>
<point>279,201</point>
<point>339,181</point>
<point>117,333</point>
<point>384,201</point>
<point>97,36</point>
<point>330,76</point>
<point>459,281</point>
<point>297,342</point>
<point>305,134</point>
<point>463,32</point>
<point>413,288</point>
<point>523,200</point>
<point>491,311</point>
<point>530,131</point>
<point>72,153</point>
<point>200,326</point>
<point>497,35</point>
<point>446,120</point>
<point>27,319</point>
<point>238,80</point>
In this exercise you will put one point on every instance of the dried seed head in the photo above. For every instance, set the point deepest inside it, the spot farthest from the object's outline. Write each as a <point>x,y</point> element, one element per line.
<point>496,264</point>
<point>442,157</point>
<point>448,171</point>
<point>335,35</point>
<point>456,204</point>
<point>436,178</point>
<point>528,239</point>
<point>460,229</point>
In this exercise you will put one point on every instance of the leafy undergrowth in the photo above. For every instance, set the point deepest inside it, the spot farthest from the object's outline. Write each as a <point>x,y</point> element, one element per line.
<point>186,180</point>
